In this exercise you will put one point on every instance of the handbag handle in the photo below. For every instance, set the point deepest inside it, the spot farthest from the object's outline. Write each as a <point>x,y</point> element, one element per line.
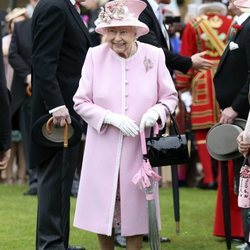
<point>176,129</point>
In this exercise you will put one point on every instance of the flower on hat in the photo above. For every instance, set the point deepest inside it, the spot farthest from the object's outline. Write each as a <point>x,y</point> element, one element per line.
<point>114,10</point>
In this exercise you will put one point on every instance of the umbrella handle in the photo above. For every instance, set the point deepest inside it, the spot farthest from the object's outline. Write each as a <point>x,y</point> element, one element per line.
<point>28,90</point>
<point>65,131</point>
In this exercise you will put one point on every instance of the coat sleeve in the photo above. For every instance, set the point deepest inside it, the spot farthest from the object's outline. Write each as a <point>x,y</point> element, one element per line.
<point>241,99</point>
<point>167,93</point>
<point>83,98</point>
<point>21,68</point>
<point>5,124</point>
<point>47,31</point>
<point>173,61</point>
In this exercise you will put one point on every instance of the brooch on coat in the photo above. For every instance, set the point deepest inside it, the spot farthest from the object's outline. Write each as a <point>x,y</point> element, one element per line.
<point>148,64</point>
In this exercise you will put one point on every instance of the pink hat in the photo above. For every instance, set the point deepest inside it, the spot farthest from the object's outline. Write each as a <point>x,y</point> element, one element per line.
<point>121,13</point>
<point>243,5</point>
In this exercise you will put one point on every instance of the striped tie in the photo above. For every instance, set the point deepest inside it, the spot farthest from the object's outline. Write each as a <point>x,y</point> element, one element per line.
<point>78,7</point>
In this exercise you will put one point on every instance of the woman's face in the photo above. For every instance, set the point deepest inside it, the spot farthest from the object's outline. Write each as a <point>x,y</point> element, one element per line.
<point>121,40</point>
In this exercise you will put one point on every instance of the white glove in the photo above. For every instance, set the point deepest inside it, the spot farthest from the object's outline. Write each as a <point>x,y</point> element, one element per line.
<point>61,116</point>
<point>149,119</point>
<point>186,98</point>
<point>127,126</point>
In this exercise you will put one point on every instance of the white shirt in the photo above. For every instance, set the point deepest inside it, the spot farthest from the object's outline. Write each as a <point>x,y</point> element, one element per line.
<point>242,18</point>
<point>156,8</point>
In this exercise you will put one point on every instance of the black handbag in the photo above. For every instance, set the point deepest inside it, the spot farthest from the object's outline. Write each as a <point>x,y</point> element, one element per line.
<point>164,150</point>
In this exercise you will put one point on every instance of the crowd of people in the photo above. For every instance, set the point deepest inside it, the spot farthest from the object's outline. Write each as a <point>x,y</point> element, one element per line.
<point>103,71</point>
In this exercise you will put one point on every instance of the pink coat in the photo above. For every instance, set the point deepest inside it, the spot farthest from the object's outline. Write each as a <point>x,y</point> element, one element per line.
<point>124,86</point>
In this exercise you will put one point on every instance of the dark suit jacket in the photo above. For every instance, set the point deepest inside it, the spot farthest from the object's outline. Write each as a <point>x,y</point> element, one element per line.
<point>231,80</point>
<point>5,124</point>
<point>20,60</point>
<point>156,38</point>
<point>60,43</point>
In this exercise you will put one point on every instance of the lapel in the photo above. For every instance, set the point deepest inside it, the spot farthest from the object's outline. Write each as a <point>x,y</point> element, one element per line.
<point>156,22</point>
<point>225,53</point>
<point>78,19</point>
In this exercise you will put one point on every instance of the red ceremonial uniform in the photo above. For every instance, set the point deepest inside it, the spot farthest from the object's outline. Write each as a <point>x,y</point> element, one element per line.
<point>210,36</point>
<point>208,33</point>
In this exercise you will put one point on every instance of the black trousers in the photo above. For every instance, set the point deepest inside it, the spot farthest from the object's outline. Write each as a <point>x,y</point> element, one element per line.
<point>25,128</point>
<point>55,177</point>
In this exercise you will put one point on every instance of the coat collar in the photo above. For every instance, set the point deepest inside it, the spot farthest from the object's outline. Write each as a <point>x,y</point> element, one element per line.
<point>242,18</point>
<point>150,11</point>
<point>78,19</point>
<point>223,57</point>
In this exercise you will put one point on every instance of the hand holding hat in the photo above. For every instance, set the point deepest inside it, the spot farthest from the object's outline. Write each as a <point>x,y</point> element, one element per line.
<point>228,115</point>
<point>61,116</point>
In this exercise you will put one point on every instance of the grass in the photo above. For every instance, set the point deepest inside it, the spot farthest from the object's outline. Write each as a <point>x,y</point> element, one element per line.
<point>18,221</point>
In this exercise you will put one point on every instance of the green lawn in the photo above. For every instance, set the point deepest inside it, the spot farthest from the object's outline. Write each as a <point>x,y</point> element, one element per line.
<point>18,220</point>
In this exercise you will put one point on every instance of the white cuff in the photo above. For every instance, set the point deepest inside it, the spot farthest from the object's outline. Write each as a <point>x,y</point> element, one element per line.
<point>57,108</point>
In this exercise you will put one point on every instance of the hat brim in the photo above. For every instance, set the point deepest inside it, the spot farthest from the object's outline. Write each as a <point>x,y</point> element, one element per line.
<point>141,28</point>
<point>226,157</point>
<point>221,140</point>
<point>42,137</point>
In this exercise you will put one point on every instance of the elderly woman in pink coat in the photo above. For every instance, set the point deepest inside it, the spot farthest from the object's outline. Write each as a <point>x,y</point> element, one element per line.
<point>120,93</point>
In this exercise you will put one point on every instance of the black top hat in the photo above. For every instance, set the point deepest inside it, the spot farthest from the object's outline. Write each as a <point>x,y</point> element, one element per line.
<point>221,140</point>
<point>46,134</point>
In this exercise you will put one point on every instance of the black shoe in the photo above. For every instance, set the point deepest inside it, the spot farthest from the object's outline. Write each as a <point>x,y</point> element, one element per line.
<point>75,248</point>
<point>165,240</point>
<point>31,191</point>
<point>162,239</point>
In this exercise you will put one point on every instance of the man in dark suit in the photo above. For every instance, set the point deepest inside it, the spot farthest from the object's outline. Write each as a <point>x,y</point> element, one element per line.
<point>5,125</point>
<point>60,43</point>
<point>232,82</point>
<point>20,60</point>
<point>156,37</point>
